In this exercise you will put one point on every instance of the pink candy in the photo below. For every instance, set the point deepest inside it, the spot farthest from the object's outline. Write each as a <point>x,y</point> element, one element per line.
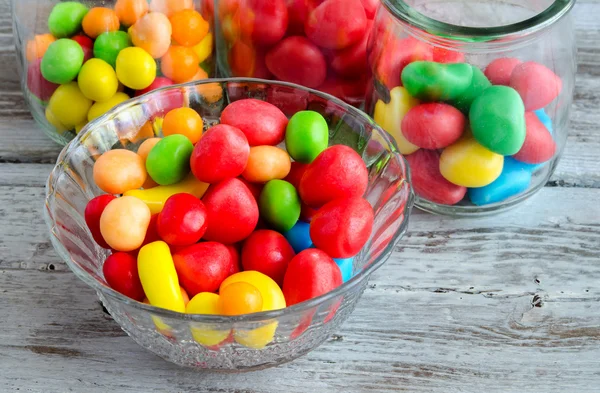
<point>539,146</point>
<point>499,70</point>
<point>433,125</point>
<point>536,83</point>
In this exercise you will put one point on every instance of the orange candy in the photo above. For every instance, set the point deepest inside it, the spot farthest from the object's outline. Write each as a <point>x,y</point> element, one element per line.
<point>143,152</point>
<point>36,48</point>
<point>129,11</point>
<point>119,170</point>
<point>170,7</point>
<point>99,20</point>
<point>240,298</point>
<point>152,33</point>
<point>184,121</point>
<point>267,163</point>
<point>189,27</point>
<point>179,64</point>
<point>124,223</point>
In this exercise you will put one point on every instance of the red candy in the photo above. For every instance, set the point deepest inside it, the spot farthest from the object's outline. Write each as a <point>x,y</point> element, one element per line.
<point>121,273</point>
<point>263,22</point>
<point>37,84</point>
<point>337,24</point>
<point>202,267</point>
<point>536,83</point>
<point>86,44</point>
<point>500,70</point>
<point>352,61</point>
<point>296,173</point>
<point>370,7</point>
<point>298,11</point>
<point>221,153</point>
<point>310,274</point>
<point>159,82</point>
<point>152,231</point>
<point>262,123</point>
<point>297,60</point>
<point>351,91</point>
<point>92,214</point>
<point>235,259</point>
<point>539,146</point>
<point>307,213</point>
<point>182,221</point>
<point>232,211</point>
<point>396,55</point>
<point>268,252</point>
<point>353,218</point>
<point>255,188</point>
<point>247,61</point>
<point>441,55</point>
<point>433,125</point>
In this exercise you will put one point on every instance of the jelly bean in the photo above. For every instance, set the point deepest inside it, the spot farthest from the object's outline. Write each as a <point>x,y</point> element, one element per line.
<point>159,82</point>
<point>514,179</point>
<point>296,59</point>
<point>189,27</point>
<point>36,48</point>
<point>545,119</point>
<point>267,252</point>
<point>97,80</point>
<point>479,83</point>
<point>329,28</point>
<point>370,8</point>
<point>299,236</point>
<point>262,22</point>
<point>466,163</point>
<point>53,121</point>
<point>500,70</point>
<point>130,11</point>
<point>118,171</point>
<point>232,212</point>
<point>235,258</point>
<point>99,20</point>
<point>298,11</point>
<point>124,222</point>
<point>152,33</point>
<point>429,183</point>
<point>222,153</point>
<point>69,106</point>
<point>245,60</point>
<point>255,188</point>
<point>338,172</point>
<point>389,116</point>
<point>497,120</point>
<point>62,61</point>
<point>152,231</point>
<point>267,163</point>
<point>169,161</point>
<point>442,55</point>
<point>262,123</point>
<point>108,46</point>
<point>121,273</point>
<point>353,218</point>
<point>86,44</point>
<point>310,274</point>
<point>433,125</point>
<point>202,267</point>
<point>351,91</point>
<point>271,293</point>
<point>184,121</point>
<point>431,81</point>
<point>136,69</point>
<point>182,221</point>
<point>536,83</point>
<point>206,334</point>
<point>203,303</point>
<point>240,298</point>
<point>179,64</point>
<point>352,61</point>
<point>279,205</point>
<point>538,146</point>
<point>156,197</point>
<point>170,7</point>
<point>146,147</point>
<point>65,18</point>
<point>37,84</point>
<point>204,49</point>
<point>306,136</point>
<point>92,214</point>
<point>159,277</point>
<point>296,172</point>
<point>101,107</point>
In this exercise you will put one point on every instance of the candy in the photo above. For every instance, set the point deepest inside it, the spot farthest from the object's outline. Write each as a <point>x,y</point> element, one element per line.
<point>296,172</point>
<point>100,20</point>
<point>202,267</point>
<point>240,298</point>
<point>329,28</point>
<point>395,56</point>
<point>118,171</point>
<point>130,11</point>
<point>92,214</point>
<point>179,64</point>
<point>429,81</point>
<point>352,61</point>
<point>389,116</point>
<point>37,84</point>
<point>267,252</point>
<point>346,266</point>
<point>123,224</point>
<point>54,122</point>
<point>182,221</point>
<point>479,83</point>
<point>500,70</point>
<point>514,179</point>
<point>169,161</point>
<point>65,18</point>
<point>296,59</point>
<point>121,273</point>
<point>267,163</point>
<point>184,121</point>
<point>262,123</point>
<point>152,231</point>
<point>353,218</point>
<point>262,22</point>
<point>161,81</point>
<point>536,83</point>
<point>204,49</point>
<point>108,46</point>
<point>189,27</point>
<point>36,48</point>
<point>69,106</point>
<point>152,33</point>
<point>299,236</point>
<point>497,120</point>
<point>135,68</point>
<point>538,146</point>
<point>204,334</point>
<point>86,44</point>
<point>235,258</point>
<point>545,119</point>
<point>146,147</point>
<point>62,61</point>
<point>306,136</point>
<point>433,125</point>
<point>101,107</point>
<point>279,205</point>
<point>351,91</point>
<point>97,80</point>
<point>442,55</point>
<point>170,7</point>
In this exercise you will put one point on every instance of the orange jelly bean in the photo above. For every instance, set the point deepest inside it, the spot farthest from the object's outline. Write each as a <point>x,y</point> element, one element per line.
<point>170,7</point>
<point>189,27</point>
<point>179,64</point>
<point>152,33</point>
<point>118,171</point>
<point>124,223</point>
<point>185,121</point>
<point>240,298</point>
<point>129,11</point>
<point>146,146</point>
<point>267,163</point>
<point>37,47</point>
<point>100,20</point>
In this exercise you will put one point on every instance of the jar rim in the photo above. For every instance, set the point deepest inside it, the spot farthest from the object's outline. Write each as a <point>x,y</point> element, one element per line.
<point>403,11</point>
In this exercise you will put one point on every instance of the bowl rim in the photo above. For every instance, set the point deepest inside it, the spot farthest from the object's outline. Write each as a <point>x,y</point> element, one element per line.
<point>354,282</point>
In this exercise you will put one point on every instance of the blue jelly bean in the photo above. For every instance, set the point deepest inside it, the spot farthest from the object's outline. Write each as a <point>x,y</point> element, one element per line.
<point>545,119</point>
<point>299,236</point>
<point>513,180</point>
<point>345,266</point>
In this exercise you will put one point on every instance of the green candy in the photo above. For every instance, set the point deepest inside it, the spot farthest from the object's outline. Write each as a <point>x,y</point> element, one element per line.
<point>306,136</point>
<point>169,160</point>
<point>497,119</point>
<point>65,18</point>
<point>62,61</point>
<point>479,83</point>
<point>430,81</point>
<point>279,205</point>
<point>108,45</point>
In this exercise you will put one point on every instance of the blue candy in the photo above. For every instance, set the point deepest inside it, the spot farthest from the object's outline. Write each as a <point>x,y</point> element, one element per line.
<point>299,236</point>
<point>345,266</point>
<point>545,119</point>
<point>513,180</point>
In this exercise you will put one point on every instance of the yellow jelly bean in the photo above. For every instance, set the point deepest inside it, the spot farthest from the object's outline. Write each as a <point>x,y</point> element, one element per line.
<point>124,223</point>
<point>204,48</point>
<point>136,69</point>
<point>69,106</point>
<point>389,116</point>
<point>205,334</point>
<point>100,108</point>
<point>60,128</point>
<point>156,197</point>
<point>97,80</point>
<point>79,127</point>
<point>466,163</point>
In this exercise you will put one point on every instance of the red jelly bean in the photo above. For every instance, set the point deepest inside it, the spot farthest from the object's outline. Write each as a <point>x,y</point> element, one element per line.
<point>500,70</point>
<point>37,84</point>
<point>262,123</point>
<point>247,61</point>
<point>232,211</point>
<point>441,55</point>
<point>342,227</point>
<point>255,188</point>
<point>298,11</point>
<point>307,213</point>
<point>268,252</point>
<point>370,7</point>
<point>159,81</point>
<point>86,44</point>
<point>352,61</point>
<point>297,60</point>
<point>538,146</point>
<point>351,91</point>
<point>536,83</point>
<point>428,182</point>
<point>296,173</point>
<point>263,22</point>
<point>310,274</point>
<point>337,24</point>
<point>287,99</point>
<point>338,172</point>
<point>121,273</point>
<point>433,125</point>
<point>221,153</point>
<point>182,221</point>
<point>152,231</point>
<point>202,267</point>
<point>93,212</point>
<point>235,259</point>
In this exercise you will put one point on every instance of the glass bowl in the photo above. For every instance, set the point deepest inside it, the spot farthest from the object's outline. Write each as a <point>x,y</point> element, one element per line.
<point>186,339</point>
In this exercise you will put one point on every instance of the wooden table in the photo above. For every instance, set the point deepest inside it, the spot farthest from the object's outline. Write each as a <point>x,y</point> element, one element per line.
<point>505,304</point>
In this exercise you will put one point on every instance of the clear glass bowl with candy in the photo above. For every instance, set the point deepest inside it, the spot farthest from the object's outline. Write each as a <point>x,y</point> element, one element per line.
<point>78,59</point>
<point>476,94</point>
<point>236,230</point>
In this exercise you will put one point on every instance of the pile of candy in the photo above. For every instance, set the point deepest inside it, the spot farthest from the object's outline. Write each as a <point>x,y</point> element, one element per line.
<point>226,218</point>
<point>95,58</point>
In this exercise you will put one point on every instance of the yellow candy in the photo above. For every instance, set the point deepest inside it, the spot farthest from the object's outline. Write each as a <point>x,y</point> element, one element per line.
<point>97,80</point>
<point>69,106</point>
<point>100,108</point>
<point>205,334</point>
<point>204,48</point>
<point>466,163</point>
<point>79,127</point>
<point>389,116</point>
<point>136,69</point>
<point>60,128</point>
<point>156,197</point>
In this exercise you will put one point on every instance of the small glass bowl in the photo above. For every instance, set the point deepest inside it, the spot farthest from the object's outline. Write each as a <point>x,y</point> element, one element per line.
<point>188,340</point>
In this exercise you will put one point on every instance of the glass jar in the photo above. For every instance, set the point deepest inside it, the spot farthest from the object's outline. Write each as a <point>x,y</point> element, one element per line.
<point>477,95</point>
<point>314,43</point>
<point>78,59</point>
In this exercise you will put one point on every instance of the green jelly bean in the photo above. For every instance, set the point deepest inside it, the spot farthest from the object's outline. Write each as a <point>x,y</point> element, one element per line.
<point>108,45</point>
<point>497,119</point>
<point>431,81</point>
<point>306,136</point>
<point>169,160</point>
<point>65,18</point>
<point>479,83</point>
<point>279,205</point>
<point>62,61</point>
